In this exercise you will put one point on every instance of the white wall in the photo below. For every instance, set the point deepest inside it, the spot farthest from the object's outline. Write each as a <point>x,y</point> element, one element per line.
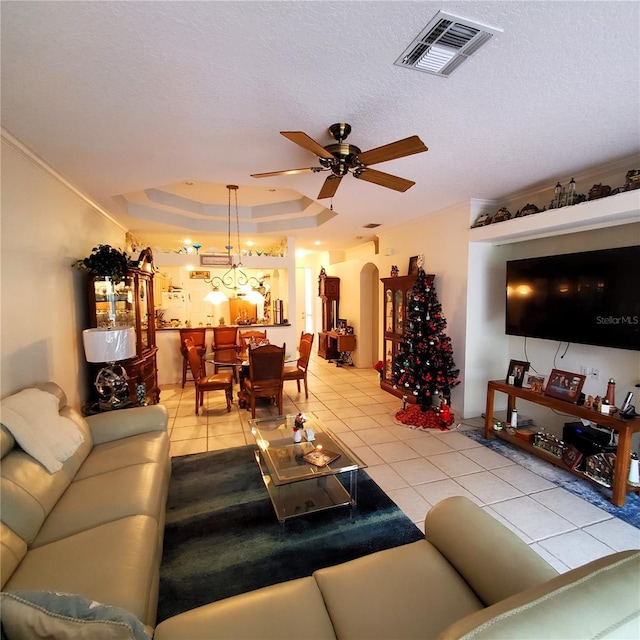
<point>45,227</point>
<point>620,364</point>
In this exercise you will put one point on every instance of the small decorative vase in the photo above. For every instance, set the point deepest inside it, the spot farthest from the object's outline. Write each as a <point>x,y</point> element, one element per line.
<point>141,394</point>
<point>297,435</point>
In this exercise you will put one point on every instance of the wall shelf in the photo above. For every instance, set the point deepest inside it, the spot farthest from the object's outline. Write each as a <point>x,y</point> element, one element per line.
<point>623,208</point>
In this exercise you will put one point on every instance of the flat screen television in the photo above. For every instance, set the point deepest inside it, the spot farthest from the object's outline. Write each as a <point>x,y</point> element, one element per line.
<point>591,298</point>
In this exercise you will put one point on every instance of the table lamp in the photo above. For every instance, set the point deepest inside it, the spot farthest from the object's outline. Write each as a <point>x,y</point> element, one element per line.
<point>110,346</point>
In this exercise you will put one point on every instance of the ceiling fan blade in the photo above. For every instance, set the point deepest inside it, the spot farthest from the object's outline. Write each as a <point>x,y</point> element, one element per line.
<point>384,179</point>
<point>287,172</point>
<point>393,150</point>
<point>303,140</point>
<point>329,187</point>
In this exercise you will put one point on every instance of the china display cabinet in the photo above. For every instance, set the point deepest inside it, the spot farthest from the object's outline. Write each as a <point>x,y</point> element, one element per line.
<point>129,303</point>
<point>397,294</point>
<point>329,292</point>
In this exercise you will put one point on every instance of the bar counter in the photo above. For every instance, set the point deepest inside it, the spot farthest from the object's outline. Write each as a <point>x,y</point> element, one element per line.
<point>170,358</point>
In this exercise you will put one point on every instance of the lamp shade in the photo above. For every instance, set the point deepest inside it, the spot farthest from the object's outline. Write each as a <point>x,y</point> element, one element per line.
<point>215,297</point>
<point>109,345</point>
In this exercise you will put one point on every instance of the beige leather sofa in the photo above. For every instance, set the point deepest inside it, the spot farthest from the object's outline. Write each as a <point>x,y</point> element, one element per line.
<point>95,527</point>
<point>470,578</point>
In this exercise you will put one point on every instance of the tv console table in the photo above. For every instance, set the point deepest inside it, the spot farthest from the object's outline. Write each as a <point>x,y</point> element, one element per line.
<point>623,427</point>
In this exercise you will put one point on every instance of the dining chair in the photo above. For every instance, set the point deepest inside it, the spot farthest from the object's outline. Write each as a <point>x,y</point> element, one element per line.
<point>224,341</point>
<point>299,372</point>
<point>247,337</point>
<point>217,382</point>
<point>266,365</point>
<point>198,337</point>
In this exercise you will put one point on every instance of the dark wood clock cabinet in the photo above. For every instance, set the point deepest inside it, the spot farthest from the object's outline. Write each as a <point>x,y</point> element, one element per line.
<point>329,292</point>
<point>397,296</point>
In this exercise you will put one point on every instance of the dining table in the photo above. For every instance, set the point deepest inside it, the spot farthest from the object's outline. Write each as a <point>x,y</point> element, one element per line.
<point>232,358</point>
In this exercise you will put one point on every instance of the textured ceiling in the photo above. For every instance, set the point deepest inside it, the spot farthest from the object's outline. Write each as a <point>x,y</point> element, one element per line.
<point>136,97</point>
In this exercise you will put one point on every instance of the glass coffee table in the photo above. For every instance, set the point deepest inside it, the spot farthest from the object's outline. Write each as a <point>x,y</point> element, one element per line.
<point>295,485</point>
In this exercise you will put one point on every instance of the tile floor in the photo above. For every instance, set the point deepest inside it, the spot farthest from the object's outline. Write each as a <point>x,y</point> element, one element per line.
<point>416,468</point>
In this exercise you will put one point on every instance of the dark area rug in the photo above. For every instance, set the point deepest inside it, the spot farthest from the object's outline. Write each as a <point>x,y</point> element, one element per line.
<point>222,536</point>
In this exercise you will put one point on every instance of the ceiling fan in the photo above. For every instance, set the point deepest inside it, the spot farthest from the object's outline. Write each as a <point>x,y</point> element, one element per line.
<point>341,158</point>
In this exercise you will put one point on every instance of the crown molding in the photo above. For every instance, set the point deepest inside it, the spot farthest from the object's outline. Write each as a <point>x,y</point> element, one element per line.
<point>18,146</point>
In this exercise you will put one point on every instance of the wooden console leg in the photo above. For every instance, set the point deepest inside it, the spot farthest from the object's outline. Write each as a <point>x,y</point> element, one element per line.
<point>488,413</point>
<point>621,469</point>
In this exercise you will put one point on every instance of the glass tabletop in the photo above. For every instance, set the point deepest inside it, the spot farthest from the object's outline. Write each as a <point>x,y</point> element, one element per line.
<point>285,458</point>
<point>234,360</point>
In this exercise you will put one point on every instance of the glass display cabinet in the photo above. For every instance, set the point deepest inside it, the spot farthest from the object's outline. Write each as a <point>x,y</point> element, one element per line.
<point>397,295</point>
<point>129,303</point>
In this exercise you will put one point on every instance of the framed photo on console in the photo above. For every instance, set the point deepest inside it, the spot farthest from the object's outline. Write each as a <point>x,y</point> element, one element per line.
<point>413,266</point>
<point>564,385</point>
<point>515,375</point>
<point>534,382</point>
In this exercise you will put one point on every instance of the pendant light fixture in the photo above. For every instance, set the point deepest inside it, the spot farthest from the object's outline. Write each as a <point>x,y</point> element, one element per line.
<point>235,280</point>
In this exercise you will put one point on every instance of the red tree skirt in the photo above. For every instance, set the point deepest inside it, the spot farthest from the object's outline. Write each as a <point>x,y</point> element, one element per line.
<point>430,419</point>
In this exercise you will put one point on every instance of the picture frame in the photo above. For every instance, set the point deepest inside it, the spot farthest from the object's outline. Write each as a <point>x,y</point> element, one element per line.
<point>199,275</point>
<point>515,374</point>
<point>342,323</point>
<point>215,260</point>
<point>564,385</point>
<point>413,266</point>
<point>534,382</point>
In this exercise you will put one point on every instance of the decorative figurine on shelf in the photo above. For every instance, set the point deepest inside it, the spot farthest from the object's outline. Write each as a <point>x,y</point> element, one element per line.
<point>395,272</point>
<point>298,426</point>
<point>527,210</point>
<point>632,180</point>
<point>502,214</point>
<point>599,191</point>
<point>566,197</point>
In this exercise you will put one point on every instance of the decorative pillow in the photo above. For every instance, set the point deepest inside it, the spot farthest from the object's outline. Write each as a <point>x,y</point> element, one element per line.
<point>28,615</point>
<point>33,419</point>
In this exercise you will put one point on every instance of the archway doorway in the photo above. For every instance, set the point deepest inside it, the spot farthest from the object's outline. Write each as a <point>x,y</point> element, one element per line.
<point>369,331</point>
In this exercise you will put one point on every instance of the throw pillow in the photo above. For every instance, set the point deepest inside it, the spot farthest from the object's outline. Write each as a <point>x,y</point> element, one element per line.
<point>33,419</point>
<point>27,615</point>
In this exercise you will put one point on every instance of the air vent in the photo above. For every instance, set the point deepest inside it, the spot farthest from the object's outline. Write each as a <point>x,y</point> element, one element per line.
<point>444,44</point>
<point>371,225</point>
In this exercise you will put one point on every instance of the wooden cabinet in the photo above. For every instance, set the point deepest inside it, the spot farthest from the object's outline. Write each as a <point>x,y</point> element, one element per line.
<point>329,292</point>
<point>397,295</point>
<point>623,427</point>
<point>129,304</point>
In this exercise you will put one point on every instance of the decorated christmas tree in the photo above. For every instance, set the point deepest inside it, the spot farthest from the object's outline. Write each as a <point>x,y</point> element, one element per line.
<point>424,366</point>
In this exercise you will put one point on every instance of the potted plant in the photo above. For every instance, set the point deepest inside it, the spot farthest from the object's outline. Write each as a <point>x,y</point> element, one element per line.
<point>105,261</point>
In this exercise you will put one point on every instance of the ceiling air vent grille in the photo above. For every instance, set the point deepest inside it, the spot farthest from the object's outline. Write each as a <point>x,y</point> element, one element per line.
<point>445,43</point>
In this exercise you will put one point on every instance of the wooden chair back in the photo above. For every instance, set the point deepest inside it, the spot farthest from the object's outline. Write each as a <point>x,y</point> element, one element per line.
<point>266,367</point>
<point>198,340</point>
<point>224,337</point>
<point>304,349</point>
<point>197,336</point>
<point>246,337</point>
<point>194,359</point>
<point>217,382</point>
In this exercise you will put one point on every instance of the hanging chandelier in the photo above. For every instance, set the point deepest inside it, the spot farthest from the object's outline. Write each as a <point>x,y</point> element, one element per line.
<point>235,280</point>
